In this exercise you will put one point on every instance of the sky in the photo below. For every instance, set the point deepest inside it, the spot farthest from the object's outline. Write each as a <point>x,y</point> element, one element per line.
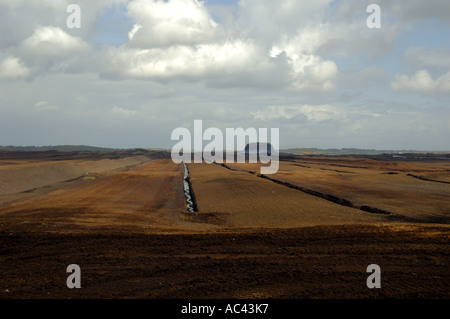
<point>136,70</point>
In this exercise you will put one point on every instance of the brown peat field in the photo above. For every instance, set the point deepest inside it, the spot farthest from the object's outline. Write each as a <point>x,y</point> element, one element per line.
<point>308,231</point>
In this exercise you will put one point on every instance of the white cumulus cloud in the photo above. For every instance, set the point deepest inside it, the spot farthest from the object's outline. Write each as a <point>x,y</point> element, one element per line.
<point>13,68</point>
<point>180,61</point>
<point>421,81</point>
<point>160,23</point>
<point>53,42</point>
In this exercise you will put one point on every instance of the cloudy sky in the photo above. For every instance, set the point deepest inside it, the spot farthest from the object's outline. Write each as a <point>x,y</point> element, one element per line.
<point>138,69</point>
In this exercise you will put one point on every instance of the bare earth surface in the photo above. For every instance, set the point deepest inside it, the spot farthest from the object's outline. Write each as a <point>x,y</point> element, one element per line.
<point>244,200</point>
<point>305,232</point>
<point>415,191</point>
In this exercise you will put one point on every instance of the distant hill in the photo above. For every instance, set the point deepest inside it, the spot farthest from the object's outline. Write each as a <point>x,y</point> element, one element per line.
<point>61,148</point>
<point>352,151</point>
<point>262,146</point>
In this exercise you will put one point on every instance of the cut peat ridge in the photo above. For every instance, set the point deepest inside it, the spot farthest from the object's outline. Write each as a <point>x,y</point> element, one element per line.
<point>427,179</point>
<point>329,197</point>
<point>225,165</point>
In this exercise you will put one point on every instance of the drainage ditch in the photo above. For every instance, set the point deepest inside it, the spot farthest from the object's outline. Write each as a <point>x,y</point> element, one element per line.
<point>329,197</point>
<point>191,206</point>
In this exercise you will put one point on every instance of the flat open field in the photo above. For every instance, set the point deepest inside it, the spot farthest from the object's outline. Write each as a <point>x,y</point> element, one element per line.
<point>309,231</point>
<point>407,190</point>
<point>244,200</point>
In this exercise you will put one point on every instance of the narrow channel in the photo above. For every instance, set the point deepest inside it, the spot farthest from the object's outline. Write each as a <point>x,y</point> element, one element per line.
<point>190,202</point>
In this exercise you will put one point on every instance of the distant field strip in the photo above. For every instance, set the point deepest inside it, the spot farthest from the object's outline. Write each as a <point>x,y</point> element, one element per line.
<point>244,200</point>
<point>329,197</point>
<point>137,197</point>
<point>380,187</point>
<point>24,175</point>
